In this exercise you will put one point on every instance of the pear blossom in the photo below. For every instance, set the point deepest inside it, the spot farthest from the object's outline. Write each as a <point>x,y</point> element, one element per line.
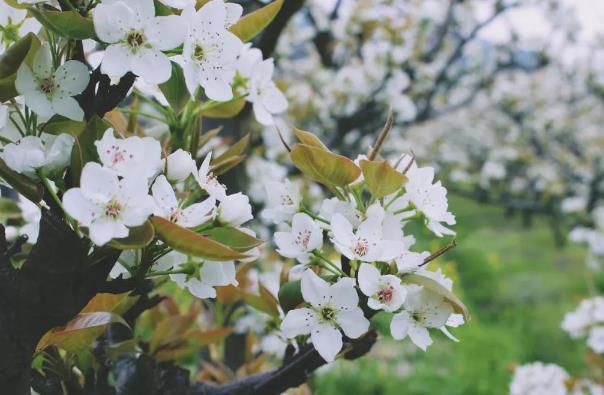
<point>430,199</point>
<point>15,24</point>
<point>332,307</point>
<point>539,379</point>
<point>48,91</point>
<point>304,237</point>
<point>107,205</point>
<point>136,39</point>
<point>130,156</point>
<point>30,154</point>
<point>332,206</point>
<point>180,165</point>
<point>366,244</point>
<point>261,91</point>
<point>166,206</point>
<point>201,284</point>
<point>423,309</point>
<point>208,182</point>
<point>283,201</point>
<point>385,292</point>
<point>235,210</point>
<point>180,4</point>
<point>210,51</point>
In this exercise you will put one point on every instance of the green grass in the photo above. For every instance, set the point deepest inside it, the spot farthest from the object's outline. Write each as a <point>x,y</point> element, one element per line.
<point>518,286</point>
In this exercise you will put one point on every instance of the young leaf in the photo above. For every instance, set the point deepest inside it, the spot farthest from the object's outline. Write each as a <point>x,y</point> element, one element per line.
<point>112,303</point>
<point>234,150</point>
<point>191,243</point>
<point>59,124</point>
<point>217,335</point>
<point>259,302</point>
<point>138,237</point>
<point>255,22</point>
<point>381,178</point>
<point>233,237</point>
<point>324,166</point>
<point>435,287</point>
<point>80,332</point>
<point>23,51</point>
<point>175,89</point>
<point>227,109</point>
<point>222,167</point>
<point>27,187</point>
<point>309,139</point>
<point>69,24</point>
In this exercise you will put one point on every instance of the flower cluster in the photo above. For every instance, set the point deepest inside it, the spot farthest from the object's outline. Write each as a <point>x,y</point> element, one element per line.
<point>538,378</point>
<point>587,320</point>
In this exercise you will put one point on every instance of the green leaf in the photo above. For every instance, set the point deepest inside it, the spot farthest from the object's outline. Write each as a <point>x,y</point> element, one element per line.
<point>9,209</point>
<point>138,237</point>
<point>255,22</point>
<point>69,24</point>
<point>112,303</point>
<point>15,4</point>
<point>27,187</point>
<point>309,139</point>
<point>435,287</point>
<point>59,124</point>
<point>175,89</point>
<point>324,166</point>
<point>23,51</point>
<point>233,237</point>
<point>84,150</point>
<point>80,332</point>
<point>381,178</point>
<point>191,243</point>
<point>290,295</point>
<point>236,149</point>
<point>228,109</point>
<point>259,302</point>
<point>222,167</point>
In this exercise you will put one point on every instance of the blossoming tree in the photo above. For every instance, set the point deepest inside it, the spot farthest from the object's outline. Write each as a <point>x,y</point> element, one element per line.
<point>122,211</point>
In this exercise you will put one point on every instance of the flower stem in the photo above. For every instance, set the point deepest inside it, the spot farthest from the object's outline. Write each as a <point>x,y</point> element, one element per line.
<point>168,272</point>
<point>328,265</point>
<point>314,216</point>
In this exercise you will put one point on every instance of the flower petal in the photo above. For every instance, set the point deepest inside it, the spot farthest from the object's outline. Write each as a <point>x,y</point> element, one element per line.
<point>166,32</point>
<point>152,65</point>
<point>112,21</point>
<point>327,340</point>
<point>315,290</point>
<point>353,322</point>
<point>299,322</point>
<point>117,61</point>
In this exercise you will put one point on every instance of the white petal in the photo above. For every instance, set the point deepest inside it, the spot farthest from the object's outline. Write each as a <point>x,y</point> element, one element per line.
<point>26,81</point>
<point>201,290</point>
<point>399,326</point>
<point>103,230</point>
<point>353,322</point>
<point>117,60</point>
<point>262,115</point>
<point>327,340</point>
<point>68,107</point>
<point>164,196</point>
<point>152,65</point>
<point>198,213</point>
<point>42,66</point>
<point>166,32</point>
<point>218,273</point>
<point>368,277</point>
<point>98,182</point>
<point>112,21</point>
<point>274,100</point>
<point>71,78</point>
<point>78,206</point>
<point>144,10</point>
<point>218,89</point>
<point>420,336</point>
<point>315,290</point>
<point>299,322</point>
<point>233,13</point>
<point>343,294</point>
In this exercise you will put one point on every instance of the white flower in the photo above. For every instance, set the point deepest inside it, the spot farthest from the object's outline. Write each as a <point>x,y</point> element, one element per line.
<point>106,205</point>
<point>539,379</point>
<point>595,341</point>
<point>31,214</point>
<point>384,292</point>
<point>137,37</point>
<point>208,182</point>
<point>430,199</point>
<point>211,274</point>
<point>305,236</point>
<point>48,91</point>
<point>332,307</point>
<point>283,201</point>
<point>366,244</point>
<point>329,207</point>
<point>31,153</point>
<point>167,206</point>
<point>262,92</point>
<point>134,155</point>
<point>210,51</point>
<point>235,210</point>
<point>179,165</point>
<point>423,309</point>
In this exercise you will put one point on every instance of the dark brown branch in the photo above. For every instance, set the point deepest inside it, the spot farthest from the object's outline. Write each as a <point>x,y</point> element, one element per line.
<point>270,36</point>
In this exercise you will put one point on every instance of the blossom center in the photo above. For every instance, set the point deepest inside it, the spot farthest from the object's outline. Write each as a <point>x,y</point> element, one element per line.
<point>385,294</point>
<point>362,247</point>
<point>303,238</point>
<point>47,85</point>
<point>113,209</point>
<point>118,155</point>
<point>135,39</point>
<point>174,215</point>
<point>286,200</point>
<point>328,314</point>
<point>199,53</point>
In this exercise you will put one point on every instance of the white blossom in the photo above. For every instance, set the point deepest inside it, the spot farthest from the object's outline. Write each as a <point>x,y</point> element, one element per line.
<point>332,307</point>
<point>106,205</point>
<point>304,237</point>
<point>32,153</point>
<point>48,91</point>
<point>385,292</point>
<point>180,165</point>
<point>283,201</point>
<point>235,210</point>
<point>539,379</point>
<point>208,182</point>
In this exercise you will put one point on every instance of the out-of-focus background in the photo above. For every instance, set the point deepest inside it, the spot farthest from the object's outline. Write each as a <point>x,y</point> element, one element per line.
<point>505,99</point>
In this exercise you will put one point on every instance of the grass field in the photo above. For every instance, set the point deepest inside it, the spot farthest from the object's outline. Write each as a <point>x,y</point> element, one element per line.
<point>517,284</point>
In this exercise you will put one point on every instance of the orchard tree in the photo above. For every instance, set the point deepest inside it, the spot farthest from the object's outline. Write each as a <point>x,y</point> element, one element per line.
<point>126,264</point>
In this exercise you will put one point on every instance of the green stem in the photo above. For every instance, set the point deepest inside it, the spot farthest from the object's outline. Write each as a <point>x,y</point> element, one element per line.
<point>144,114</point>
<point>168,272</point>
<point>329,265</point>
<point>315,216</point>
